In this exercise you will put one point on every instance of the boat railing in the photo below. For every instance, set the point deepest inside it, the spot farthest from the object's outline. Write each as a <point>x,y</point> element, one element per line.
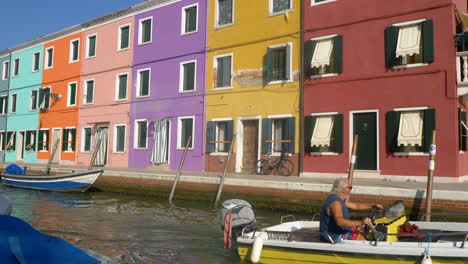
<point>286,217</point>
<point>423,216</point>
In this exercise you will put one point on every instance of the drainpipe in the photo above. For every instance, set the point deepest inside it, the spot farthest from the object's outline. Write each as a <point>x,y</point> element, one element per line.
<point>301,90</point>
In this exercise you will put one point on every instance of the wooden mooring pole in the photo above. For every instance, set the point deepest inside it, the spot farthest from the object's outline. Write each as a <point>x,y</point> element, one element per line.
<point>430,177</point>
<point>181,165</point>
<point>51,157</point>
<point>221,183</point>
<point>93,158</point>
<point>352,162</point>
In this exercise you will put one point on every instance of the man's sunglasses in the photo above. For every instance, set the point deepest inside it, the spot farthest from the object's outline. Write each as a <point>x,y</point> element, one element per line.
<point>349,187</point>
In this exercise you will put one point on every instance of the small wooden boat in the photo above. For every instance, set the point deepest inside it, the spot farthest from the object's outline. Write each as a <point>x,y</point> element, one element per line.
<point>72,182</point>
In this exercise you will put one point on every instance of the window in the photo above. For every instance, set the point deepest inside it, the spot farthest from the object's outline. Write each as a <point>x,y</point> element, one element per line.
<point>74,50</point>
<point>121,86</point>
<point>224,12</point>
<point>86,139</point>
<point>69,139</point>
<point>324,133</point>
<point>189,19</point>
<point>6,70</point>
<point>119,138</point>
<point>145,30</point>
<point>143,82</point>
<point>409,43</point>
<point>44,98</point>
<point>71,101</point>
<point>277,6</point>
<point>185,130</point>
<point>187,76</point>
<point>124,37</point>
<point>33,101</point>
<point>11,141</point>
<point>91,47</point>
<point>324,55</point>
<point>278,134</point>
<point>317,2</point>
<point>2,140</point>
<point>410,130</point>
<point>89,92</point>
<point>16,64</point>
<point>462,130</point>
<point>3,104</point>
<point>141,134</point>
<point>279,63</point>
<point>36,58</point>
<point>30,141</point>
<point>223,71</point>
<point>49,58</point>
<point>14,98</point>
<point>43,140</point>
<point>219,136</point>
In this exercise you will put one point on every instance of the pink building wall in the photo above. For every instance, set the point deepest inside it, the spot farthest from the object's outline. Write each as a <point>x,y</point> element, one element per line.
<point>104,68</point>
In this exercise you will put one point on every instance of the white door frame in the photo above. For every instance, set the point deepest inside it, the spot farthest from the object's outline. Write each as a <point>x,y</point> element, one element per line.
<point>21,135</point>
<point>351,129</point>
<point>59,147</point>
<point>240,139</point>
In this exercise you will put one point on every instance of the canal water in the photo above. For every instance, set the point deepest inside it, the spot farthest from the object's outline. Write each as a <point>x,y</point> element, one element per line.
<point>130,229</point>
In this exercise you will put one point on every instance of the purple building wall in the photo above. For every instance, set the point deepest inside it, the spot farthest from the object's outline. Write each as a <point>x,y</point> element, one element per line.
<point>163,55</point>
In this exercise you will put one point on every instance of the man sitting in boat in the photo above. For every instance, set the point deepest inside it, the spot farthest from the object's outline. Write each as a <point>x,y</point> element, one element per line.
<point>334,217</point>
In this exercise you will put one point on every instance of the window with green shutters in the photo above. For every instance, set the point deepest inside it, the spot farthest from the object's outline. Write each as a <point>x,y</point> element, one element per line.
<point>122,80</point>
<point>143,82</point>
<point>91,47</point>
<point>187,82</point>
<point>396,126</point>
<point>278,135</point>
<point>74,50</point>
<point>145,29</point>
<point>185,130</point>
<point>124,37</point>
<point>36,58</point>
<point>30,141</point>
<point>69,139</point>
<point>278,63</point>
<point>223,71</point>
<point>43,140</point>
<point>190,19</point>
<point>71,94</point>
<point>89,92</point>
<point>44,98</point>
<point>280,5</point>
<point>409,43</point>
<point>219,136</point>
<point>323,55</point>
<point>323,133</point>
<point>119,145</point>
<point>141,135</point>
<point>86,139</point>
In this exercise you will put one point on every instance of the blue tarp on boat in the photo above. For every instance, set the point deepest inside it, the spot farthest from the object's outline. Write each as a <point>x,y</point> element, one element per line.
<point>20,243</point>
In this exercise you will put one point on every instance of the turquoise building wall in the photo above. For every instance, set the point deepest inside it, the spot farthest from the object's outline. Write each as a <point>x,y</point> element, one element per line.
<point>24,118</point>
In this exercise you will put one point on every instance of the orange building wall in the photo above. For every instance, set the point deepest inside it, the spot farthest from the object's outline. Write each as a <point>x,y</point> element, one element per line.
<point>58,77</point>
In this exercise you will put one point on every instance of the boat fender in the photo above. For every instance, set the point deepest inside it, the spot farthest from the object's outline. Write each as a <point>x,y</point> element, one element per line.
<point>426,260</point>
<point>256,250</point>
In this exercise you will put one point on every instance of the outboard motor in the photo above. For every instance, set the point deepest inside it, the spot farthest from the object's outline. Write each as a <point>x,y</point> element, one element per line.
<point>242,215</point>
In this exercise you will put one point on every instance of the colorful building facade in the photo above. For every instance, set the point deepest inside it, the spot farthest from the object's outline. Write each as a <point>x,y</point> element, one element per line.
<point>4,83</point>
<point>167,108</point>
<point>252,82</point>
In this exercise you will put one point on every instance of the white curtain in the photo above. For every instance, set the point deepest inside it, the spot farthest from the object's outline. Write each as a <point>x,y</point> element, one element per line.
<point>409,40</point>
<point>322,53</point>
<point>322,131</point>
<point>101,134</point>
<point>411,128</point>
<point>160,142</point>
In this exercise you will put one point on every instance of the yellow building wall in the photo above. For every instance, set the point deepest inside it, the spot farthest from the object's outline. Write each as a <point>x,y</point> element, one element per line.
<point>248,39</point>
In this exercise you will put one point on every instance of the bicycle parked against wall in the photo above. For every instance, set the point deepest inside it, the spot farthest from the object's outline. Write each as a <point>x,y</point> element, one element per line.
<point>281,166</point>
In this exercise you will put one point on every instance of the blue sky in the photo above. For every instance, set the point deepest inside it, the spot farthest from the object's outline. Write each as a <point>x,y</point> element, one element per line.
<point>24,20</point>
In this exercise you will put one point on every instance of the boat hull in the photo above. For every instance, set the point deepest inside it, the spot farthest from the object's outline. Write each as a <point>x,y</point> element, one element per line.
<point>59,183</point>
<point>272,255</point>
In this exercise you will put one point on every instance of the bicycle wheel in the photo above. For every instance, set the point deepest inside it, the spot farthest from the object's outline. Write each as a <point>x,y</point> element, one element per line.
<point>285,167</point>
<point>263,167</point>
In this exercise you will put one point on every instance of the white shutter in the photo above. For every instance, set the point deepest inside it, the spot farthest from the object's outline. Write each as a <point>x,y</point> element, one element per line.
<point>409,40</point>
<point>322,131</point>
<point>322,53</point>
<point>411,128</point>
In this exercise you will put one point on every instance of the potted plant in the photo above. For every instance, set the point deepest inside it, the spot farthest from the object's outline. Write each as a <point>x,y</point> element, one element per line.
<point>29,147</point>
<point>9,148</point>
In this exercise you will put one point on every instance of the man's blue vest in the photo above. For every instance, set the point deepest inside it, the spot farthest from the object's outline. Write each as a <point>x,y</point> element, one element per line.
<point>328,224</point>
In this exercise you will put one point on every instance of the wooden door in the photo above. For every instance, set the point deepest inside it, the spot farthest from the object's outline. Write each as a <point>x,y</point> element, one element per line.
<point>249,145</point>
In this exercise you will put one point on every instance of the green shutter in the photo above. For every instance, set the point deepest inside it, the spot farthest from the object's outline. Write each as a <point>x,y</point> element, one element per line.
<point>73,139</point>
<point>189,76</point>
<point>338,133</point>
<point>28,137</point>
<point>72,94</point>
<point>266,135</point>
<point>14,141</point>
<point>393,122</point>
<point>65,140</point>
<point>309,130</point>
<point>40,138</point>
<point>48,139</point>
<point>229,133</point>
<point>290,134</point>
<point>210,136</point>
<point>269,65</point>
<point>428,41</point>
<point>47,98</point>
<point>429,126</point>
<point>124,37</point>
<point>309,49</point>
<point>4,142</point>
<point>338,53</point>
<point>391,39</point>
<point>41,96</point>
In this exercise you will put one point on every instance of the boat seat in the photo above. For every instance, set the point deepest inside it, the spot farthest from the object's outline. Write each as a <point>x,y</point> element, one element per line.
<point>306,234</point>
